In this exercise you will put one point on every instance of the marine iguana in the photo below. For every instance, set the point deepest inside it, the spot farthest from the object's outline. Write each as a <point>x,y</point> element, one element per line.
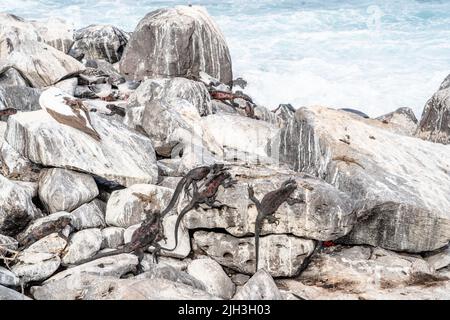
<point>191,178</point>
<point>8,112</point>
<point>269,205</point>
<point>206,196</point>
<point>148,234</point>
<point>43,230</point>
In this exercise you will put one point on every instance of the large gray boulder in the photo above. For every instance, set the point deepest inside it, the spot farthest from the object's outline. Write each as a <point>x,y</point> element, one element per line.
<point>399,183</point>
<point>20,98</point>
<point>401,121</point>
<point>83,245</point>
<point>89,215</point>
<point>10,294</point>
<point>16,207</point>
<point>14,166</point>
<point>181,41</point>
<point>123,156</point>
<point>435,122</point>
<point>280,255</point>
<point>11,77</point>
<point>65,190</point>
<point>259,287</point>
<point>101,42</point>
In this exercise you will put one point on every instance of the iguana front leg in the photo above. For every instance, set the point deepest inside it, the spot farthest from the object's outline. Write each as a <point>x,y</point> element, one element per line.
<point>272,219</point>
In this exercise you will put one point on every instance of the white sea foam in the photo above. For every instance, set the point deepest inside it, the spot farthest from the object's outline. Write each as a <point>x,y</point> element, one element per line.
<point>372,55</point>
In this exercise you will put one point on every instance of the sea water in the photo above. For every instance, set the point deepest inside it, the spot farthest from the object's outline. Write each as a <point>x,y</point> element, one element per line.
<point>372,55</point>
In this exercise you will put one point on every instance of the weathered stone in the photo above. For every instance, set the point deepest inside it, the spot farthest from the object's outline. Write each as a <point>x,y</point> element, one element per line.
<point>101,42</point>
<point>401,121</point>
<point>182,41</point>
<point>144,289</point>
<point>69,86</point>
<point>122,156</point>
<point>148,262</point>
<point>8,243</point>
<point>19,98</point>
<point>37,223</point>
<point>16,207</point>
<point>439,260</point>
<point>15,166</point>
<point>82,245</point>
<point>40,260</point>
<point>124,209</point>
<point>54,31</point>
<point>435,122</point>
<point>40,64</point>
<point>112,237</point>
<point>400,192</point>
<point>165,271</point>
<point>173,88</point>
<point>325,213</point>
<point>211,274</point>
<point>11,77</point>
<point>114,266</point>
<point>8,279</point>
<point>65,190</point>
<point>280,255</point>
<point>71,287</point>
<point>90,215</point>
<point>260,287</point>
<point>10,294</point>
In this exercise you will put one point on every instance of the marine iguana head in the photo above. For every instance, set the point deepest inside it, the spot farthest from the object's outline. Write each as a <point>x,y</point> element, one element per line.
<point>289,184</point>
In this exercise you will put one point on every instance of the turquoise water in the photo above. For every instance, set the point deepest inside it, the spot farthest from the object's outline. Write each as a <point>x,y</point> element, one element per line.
<point>372,55</point>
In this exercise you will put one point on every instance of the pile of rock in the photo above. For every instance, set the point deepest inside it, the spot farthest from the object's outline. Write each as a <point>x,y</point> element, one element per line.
<point>373,192</point>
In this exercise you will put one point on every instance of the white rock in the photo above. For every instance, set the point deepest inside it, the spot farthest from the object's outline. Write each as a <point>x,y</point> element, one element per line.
<point>15,166</point>
<point>8,279</point>
<point>439,260</point>
<point>125,209</point>
<point>65,190</point>
<point>10,294</point>
<point>90,215</point>
<point>260,287</point>
<point>123,156</point>
<point>211,274</point>
<point>82,245</point>
<point>112,237</point>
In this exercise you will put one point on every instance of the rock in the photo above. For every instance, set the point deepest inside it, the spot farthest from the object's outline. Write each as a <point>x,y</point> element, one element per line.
<point>10,294</point>
<point>182,41</point>
<point>90,215</point>
<point>38,223</point>
<point>260,287</point>
<point>72,287</point>
<point>434,125</point>
<point>242,138</point>
<point>65,190</point>
<point>19,98</point>
<point>83,245</point>
<point>112,237</point>
<point>40,260</point>
<point>170,182</point>
<point>173,123</point>
<point>325,213</point>
<point>125,209</point>
<point>41,65</point>
<point>280,255</point>
<point>148,263</point>
<point>439,260</point>
<point>15,166</point>
<point>358,268</point>
<point>399,191</point>
<point>264,114</point>
<point>285,113</point>
<point>170,89</point>
<point>164,271</point>
<point>123,156</point>
<point>211,274</point>
<point>184,243</point>
<point>219,107</point>
<point>8,279</point>
<point>16,207</point>
<point>401,121</point>
<point>101,42</point>
<point>114,266</point>
<point>10,77</point>
<point>54,31</point>
<point>445,84</point>
<point>69,86</point>
<point>144,289</point>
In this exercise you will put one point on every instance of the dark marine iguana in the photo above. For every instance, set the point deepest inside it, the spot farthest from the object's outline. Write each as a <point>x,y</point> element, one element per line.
<point>207,196</point>
<point>149,233</point>
<point>8,112</point>
<point>229,96</point>
<point>269,205</point>
<point>191,178</point>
